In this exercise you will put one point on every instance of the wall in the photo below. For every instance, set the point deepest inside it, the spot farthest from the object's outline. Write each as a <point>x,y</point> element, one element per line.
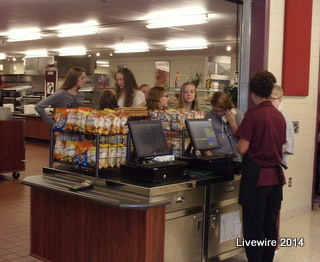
<point>297,198</point>
<point>10,67</point>
<point>143,67</point>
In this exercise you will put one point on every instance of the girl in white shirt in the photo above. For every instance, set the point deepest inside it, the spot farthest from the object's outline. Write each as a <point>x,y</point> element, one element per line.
<point>127,92</point>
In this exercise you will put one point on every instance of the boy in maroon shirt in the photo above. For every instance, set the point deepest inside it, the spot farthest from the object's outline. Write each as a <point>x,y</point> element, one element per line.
<point>262,134</point>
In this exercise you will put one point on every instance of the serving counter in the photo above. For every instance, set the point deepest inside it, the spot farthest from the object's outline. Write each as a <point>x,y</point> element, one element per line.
<point>35,127</point>
<point>119,220</point>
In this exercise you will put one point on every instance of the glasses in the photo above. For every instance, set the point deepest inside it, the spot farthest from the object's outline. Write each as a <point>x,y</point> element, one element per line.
<point>274,98</point>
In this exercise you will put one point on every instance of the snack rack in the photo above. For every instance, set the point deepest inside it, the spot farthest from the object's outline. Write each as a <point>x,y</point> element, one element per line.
<point>94,162</point>
<point>109,150</point>
<point>107,132</point>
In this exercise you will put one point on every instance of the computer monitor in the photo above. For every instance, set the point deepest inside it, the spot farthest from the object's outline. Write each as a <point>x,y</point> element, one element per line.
<point>148,138</point>
<point>202,134</point>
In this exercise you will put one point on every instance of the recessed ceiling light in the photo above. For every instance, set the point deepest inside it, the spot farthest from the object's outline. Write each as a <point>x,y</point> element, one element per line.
<point>181,17</point>
<point>24,34</point>
<point>186,44</point>
<point>87,28</point>
<point>72,51</point>
<point>131,48</point>
<point>36,53</point>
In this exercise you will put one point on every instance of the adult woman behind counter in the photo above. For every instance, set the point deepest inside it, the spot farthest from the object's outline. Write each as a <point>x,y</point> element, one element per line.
<point>127,90</point>
<point>68,96</point>
<point>225,119</point>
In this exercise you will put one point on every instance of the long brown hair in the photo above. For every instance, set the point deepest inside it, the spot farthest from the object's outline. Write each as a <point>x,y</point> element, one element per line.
<point>130,85</point>
<point>154,96</point>
<point>72,77</point>
<point>222,100</point>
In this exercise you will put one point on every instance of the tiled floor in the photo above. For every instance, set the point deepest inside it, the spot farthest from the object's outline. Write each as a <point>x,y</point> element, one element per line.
<point>15,218</point>
<point>15,209</point>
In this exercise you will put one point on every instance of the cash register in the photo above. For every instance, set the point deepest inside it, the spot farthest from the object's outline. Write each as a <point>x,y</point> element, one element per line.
<point>202,140</point>
<point>151,160</point>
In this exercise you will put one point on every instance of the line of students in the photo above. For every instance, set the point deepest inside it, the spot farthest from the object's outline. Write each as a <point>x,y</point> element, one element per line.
<point>224,115</point>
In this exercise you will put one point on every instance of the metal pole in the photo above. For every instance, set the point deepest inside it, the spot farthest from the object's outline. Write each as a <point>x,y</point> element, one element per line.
<point>245,56</point>
<point>97,154</point>
<point>51,147</point>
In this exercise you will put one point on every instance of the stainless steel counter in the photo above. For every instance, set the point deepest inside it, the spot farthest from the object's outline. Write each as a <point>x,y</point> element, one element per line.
<point>116,191</point>
<point>102,194</point>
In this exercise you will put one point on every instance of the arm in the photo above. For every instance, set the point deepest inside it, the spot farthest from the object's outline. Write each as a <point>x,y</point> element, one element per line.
<point>143,104</point>
<point>139,100</point>
<point>40,108</point>
<point>234,119</point>
<point>243,146</point>
<point>49,101</point>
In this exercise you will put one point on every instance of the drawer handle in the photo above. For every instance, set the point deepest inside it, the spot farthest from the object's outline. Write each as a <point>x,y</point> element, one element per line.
<point>229,189</point>
<point>198,222</point>
<point>179,199</point>
<point>212,222</point>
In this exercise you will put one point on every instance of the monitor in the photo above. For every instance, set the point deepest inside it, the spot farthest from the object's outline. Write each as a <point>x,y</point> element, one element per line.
<point>148,138</point>
<point>202,134</point>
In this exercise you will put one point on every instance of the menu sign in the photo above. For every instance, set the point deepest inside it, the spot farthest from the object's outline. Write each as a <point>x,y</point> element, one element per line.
<point>51,74</point>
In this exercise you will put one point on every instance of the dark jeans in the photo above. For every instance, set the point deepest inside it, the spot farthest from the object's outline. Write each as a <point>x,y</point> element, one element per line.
<point>260,223</point>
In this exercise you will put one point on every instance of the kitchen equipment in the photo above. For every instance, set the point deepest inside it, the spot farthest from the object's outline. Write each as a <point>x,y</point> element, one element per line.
<point>185,226</point>
<point>224,220</point>
<point>10,106</point>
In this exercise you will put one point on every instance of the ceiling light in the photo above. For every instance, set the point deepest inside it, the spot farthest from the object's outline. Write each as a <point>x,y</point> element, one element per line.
<point>186,44</point>
<point>14,59</point>
<point>100,62</point>
<point>24,34</point>
<point>86,28</point>
<point>36,53</point>
<point>169,18</point>
<point>2,56</point>
<point>178,21</point>
<point>131,48</point>
<point>72,51</point>
<point>103,63</point>
<point>98,54</point>
<point>228,48</point>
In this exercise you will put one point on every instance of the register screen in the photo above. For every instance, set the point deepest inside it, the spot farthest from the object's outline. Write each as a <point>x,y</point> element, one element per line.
<point>202,134</point>
<point>148,138</point>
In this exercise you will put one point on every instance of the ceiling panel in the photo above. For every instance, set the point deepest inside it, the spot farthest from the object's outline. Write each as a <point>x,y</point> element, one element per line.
<point>122,20</point>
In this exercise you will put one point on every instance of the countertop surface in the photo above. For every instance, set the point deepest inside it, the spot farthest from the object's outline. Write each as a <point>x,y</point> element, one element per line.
<point>116,191</point>
<point>100,193</point>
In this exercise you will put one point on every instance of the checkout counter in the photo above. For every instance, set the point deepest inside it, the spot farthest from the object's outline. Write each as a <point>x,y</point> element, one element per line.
<point>193,217</point>
<point>121,220</point>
